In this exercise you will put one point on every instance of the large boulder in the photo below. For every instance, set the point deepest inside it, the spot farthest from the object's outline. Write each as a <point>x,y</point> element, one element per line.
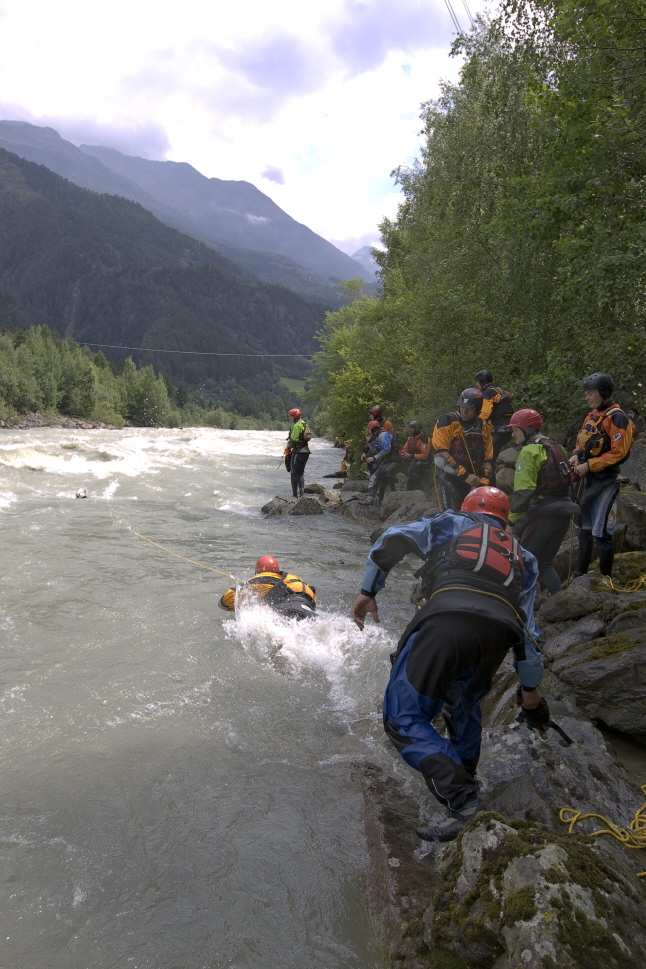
<point>505,480</point>
<point>571,603</point>
<point>278,506</point>
<point>608,679</point>
<point>515,894</point>
<point>581,632</point>
<point>632,514</point>
<point>358,485</point>
<point>404,499</point>
<point>635,467</point>
<point>508,457</point>
<point>307,505</point>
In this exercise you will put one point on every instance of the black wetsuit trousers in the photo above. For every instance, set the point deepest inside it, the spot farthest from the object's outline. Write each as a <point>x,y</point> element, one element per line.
<point>299,460</point>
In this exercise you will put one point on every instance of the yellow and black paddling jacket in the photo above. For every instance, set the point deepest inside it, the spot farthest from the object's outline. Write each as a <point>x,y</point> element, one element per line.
<point>469,444</point>
<point>274,587</point>
<point>497,406</point>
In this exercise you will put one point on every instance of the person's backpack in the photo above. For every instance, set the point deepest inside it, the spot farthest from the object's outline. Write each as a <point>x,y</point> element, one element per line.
<point>485,549</point>
<point>307,434</point>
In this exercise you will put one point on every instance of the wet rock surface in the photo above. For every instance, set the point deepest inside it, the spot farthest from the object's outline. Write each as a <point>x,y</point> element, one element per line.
<point>571,603</point>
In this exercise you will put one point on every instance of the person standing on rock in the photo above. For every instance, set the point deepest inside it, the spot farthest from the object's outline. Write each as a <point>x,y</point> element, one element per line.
<point>380,457</point>
<point>497,406</point>
<point>416,454</point>
<point>463,450</point>
<point>542,505</point>
<point>479,587</point>
<point>603,444</point>
<point>297,451</point>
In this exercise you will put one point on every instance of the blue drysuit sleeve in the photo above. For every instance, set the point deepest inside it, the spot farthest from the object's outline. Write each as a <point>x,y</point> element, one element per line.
<point>426,535</point>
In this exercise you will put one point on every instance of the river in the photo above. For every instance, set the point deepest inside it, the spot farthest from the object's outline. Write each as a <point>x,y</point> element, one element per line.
<point>177,785</point>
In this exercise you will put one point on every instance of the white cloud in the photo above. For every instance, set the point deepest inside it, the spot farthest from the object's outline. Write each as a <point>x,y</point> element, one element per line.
<point>329,91</point>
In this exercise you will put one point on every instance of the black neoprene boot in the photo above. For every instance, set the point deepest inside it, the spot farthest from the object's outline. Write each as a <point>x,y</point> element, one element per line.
<point>606,558</point>
<point>450,828</point>
<point>585,551</point>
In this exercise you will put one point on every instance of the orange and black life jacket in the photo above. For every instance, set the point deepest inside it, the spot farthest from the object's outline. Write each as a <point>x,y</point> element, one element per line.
<point>468,448</point>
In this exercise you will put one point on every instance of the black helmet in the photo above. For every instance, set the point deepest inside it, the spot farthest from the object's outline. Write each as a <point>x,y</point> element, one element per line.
<point>471,397</point>
<point>602,382</point>
<point>484,377</point>
<point>416,425</point>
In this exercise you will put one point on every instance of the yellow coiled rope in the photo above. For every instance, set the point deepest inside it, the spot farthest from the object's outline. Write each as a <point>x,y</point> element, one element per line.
<point>634,837</point>
<point>633,586</point>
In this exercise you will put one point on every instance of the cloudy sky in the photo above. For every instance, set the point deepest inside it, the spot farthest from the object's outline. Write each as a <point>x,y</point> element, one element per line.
<point>315,103</point>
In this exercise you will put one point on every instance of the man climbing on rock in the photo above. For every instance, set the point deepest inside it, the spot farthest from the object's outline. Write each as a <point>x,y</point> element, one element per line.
<point>297,451</point>
<point>283,591</point>
<point>463,449</point>
<point>381,459</point>
<point>603,444</point>
<point>479,587</point>
<point>542,505</point>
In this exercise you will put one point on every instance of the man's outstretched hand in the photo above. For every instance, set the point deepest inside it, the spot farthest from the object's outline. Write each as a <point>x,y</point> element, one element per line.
<point>361,606</point>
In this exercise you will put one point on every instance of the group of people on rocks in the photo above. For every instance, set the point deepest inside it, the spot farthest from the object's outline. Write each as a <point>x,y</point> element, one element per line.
<point>482,556</point>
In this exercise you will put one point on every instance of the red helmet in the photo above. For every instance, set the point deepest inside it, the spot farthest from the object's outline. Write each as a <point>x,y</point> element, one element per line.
<point>296,413</point>
<point>375,410</point>
<point>267,564</point>
<point>471,397</point>
<point>373,424</point>
<point>487,501</point>
<point>527,417</point>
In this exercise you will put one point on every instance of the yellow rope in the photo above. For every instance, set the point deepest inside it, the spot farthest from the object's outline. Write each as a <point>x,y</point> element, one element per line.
<point>633,838</point>
<point>208,567</point>
<point>634,586</point>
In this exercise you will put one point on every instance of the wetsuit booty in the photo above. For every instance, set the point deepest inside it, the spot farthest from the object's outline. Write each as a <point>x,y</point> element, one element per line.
<point>450,828</point>
<point>584,551</point>
<point>606,558</point>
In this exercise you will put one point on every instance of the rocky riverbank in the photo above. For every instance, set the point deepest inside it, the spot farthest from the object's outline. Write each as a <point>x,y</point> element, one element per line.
<point>517,889</point>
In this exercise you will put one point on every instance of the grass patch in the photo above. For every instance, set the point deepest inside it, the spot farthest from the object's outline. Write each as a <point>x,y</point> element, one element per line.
<point>291,383</point>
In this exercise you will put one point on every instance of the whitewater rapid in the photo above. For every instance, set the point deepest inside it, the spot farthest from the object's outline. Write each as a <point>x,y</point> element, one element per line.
<point>177,783</point>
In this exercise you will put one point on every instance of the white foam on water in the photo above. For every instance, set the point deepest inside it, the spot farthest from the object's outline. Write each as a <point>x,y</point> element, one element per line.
<point>6,499</point>
<point>330,644</point>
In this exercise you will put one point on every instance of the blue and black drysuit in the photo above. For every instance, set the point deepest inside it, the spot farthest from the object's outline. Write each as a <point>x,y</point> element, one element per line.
<point>450,651</point>
<point>381,449</point>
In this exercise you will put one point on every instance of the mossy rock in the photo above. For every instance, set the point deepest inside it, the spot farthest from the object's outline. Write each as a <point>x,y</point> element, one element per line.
<point>627,567</point>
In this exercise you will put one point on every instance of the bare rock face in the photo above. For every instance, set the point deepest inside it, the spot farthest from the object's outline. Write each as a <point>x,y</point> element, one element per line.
<point>571,603</point>
<point>505,480</point>
<point>278,506</point>
<point>508,457</point>
<point>581,632</point>
<point>402,499</point>
<point>608,679</point>
<point>632,513</point>
<point>358,485</point>
<point>307,505</point>
<point>515,894</point>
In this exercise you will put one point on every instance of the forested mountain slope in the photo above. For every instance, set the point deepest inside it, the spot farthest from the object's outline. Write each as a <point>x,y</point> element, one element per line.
<point>46,147</point>
<point>101,268</point>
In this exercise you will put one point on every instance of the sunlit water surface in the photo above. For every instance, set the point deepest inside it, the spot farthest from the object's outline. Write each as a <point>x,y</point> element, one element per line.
<point>177,784</point>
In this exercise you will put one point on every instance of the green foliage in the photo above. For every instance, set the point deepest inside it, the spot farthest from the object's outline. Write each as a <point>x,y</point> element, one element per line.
<point>520,242</point>
<point>41,372</point>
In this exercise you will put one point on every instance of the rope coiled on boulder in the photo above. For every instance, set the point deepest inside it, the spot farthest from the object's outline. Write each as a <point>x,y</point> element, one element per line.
<point>634,837</point>
<point>633,586</point>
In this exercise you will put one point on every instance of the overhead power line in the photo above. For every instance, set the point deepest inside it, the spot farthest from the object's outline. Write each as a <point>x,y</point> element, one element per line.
<point>468,12</point>
<point>449,7</point>
<point>200,353</point>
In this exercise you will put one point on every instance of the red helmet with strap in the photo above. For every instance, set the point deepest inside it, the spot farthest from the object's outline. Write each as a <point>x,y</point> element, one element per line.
<point>373,424</point>
<point>266,563</point>
<point>527,417</point>
<point>296,413</point>
<point>487,500</point>
<point>375,410</point>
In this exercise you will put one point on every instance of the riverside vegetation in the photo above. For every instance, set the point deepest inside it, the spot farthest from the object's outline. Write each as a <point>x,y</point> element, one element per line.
<point>41,372</point>
<point>520,242</point>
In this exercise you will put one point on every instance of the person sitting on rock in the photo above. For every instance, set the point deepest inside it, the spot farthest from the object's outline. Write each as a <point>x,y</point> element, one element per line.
<point>542,505</point>
<point>283,591</point>
<point>463,450</point>
<point>603,444</point>
<point>416,454</point>
<point>479,587</point>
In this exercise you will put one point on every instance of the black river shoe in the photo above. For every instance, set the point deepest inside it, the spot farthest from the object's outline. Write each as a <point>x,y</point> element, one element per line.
<point>450,828</point>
